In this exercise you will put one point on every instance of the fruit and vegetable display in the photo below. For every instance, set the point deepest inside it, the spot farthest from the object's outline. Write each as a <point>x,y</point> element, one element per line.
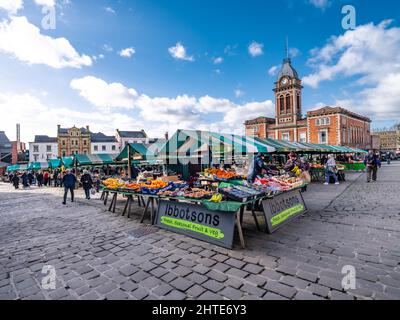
<point>236,193</point>
<point>113,183</point>
<point>186,193</point>
<point>217,198</point>
<point>220,174</point>
<point>281,183</point>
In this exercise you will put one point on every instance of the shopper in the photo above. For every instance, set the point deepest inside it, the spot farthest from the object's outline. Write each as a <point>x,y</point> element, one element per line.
<point>15,181</point>
<point>388,155</point>
<point>69,181</point>
<point>25,180</point>
<point>331,170</point>
<point>372,163</point>
<point>46,178</point>
<point>39,178</point>
<point>87,183</point>
<point>256,167</point>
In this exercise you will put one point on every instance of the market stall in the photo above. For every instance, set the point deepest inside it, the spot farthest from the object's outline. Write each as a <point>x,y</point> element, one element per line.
<point>38,166</point>
<point>17,167</point>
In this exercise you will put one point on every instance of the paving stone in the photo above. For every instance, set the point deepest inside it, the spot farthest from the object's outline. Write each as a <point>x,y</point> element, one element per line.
<point>256,280</point>
<point>181,284</point>
<point>302,295</point>
<point>163,289</point>
<point>294,282</point>
<point>106,288</point>
<point>331,283</point>
<point>175,295</point>
<point>213,285</point>
<point>197,278</point>
<point>273,296</point>
<point>182,271</point>
<point>237,273</point>
<point>253,290</point>
<point>235,263</point>
<point>150,283</point>
<point>253,268</point>
<point>231,293</point>
<point>336,295</point>
<point>210,296</point>
<point>270,274</point>
<point>139,276</point>
<point>319,290</point>
<point>92,295</point>
<point>235,283</point>
<point>280,289</point>
<point>195,291</point>
<point>117,295</point>
<point>218,276</point>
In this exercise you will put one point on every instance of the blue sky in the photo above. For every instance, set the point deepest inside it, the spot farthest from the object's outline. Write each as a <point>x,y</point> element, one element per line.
<point>189,63</point>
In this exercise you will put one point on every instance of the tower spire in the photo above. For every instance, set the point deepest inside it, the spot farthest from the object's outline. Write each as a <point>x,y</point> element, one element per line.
<point>287,48</point>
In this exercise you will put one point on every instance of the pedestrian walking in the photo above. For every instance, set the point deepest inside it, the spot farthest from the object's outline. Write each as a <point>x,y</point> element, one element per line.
<point>25,180</point>
<point>68,181</point>
<point>39,178</point>
<point>388,155</point>
<point>30,178</point>
<point>15,181</point>
<point>87,183</point>
<point>372,163</point>
<point>46,178</point>
<point>331,170</point>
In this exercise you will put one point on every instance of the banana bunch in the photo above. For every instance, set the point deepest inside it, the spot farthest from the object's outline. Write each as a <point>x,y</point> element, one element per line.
<point>216,198</point>
<point>296,170</point>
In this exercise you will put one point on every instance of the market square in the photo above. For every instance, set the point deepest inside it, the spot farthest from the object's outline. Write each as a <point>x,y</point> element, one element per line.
<point>179,151</point>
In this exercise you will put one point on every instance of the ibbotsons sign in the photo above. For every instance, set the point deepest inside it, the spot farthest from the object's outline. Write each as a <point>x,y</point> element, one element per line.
<point>282,209</point>
<point>193,220</point>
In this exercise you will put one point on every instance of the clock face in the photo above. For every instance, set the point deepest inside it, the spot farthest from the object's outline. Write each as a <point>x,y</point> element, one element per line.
<point>284,81</point>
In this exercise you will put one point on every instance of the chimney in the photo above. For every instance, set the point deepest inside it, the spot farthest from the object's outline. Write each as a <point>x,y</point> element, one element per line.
<point>87,128</point>
<point>58,128</point>
<point>166,136</point>
<point>18,133</point>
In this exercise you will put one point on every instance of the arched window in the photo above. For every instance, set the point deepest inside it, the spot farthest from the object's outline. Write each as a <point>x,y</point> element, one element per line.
<point>281,104</point>
<point>298,103</point>
<point>288,104</point>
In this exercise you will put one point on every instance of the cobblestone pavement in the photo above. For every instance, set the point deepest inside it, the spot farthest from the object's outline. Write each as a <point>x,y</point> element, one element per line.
<point>96,255</point>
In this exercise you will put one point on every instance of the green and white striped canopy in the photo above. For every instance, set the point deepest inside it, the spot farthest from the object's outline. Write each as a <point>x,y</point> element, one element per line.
<point>94,159</point>
<point>38,165</point>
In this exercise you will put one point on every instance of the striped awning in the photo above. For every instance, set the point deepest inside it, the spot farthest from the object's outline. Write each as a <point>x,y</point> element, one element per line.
<point>54,163</point>
<point>17,167</point>
<point>67,162</point>
<point>94,159</point>
<point>38,165</point>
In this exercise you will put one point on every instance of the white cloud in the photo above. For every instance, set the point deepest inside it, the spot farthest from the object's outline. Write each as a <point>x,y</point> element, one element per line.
<point>127,53</point>
<point>369,55</point>
<point>239,93</point>
<point>46,3</point>
<point>218,60</point>
<point>36,117</point>
<point>25,42</point>
<point>110,10</point>
<point>179,52</point>
<point>321,4</point>
<point>294,52</point>
<point>101,94</point>
<point>183,111</point>
<point>108,48</point>
<point>273,71</point>
<point>11,6</point>
<point>256,49</point>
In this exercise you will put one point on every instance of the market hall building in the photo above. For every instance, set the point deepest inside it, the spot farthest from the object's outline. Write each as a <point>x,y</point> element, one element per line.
<point>327,125</point>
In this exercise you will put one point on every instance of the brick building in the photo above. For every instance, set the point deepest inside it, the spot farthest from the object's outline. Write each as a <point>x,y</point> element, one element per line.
<point>328,125</point>
<point>73,141</point>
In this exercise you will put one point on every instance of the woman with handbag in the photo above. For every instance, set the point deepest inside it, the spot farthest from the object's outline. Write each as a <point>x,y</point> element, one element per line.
<point>331,170</point>
<point>87,183</point>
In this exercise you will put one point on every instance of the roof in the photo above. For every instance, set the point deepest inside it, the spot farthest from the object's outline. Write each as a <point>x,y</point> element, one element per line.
<point>45,139</point>
<point>260,120</point>
<point>101,137</point>
<point>94,159</point>
<point>65,130</point>
<point>132,134</point>
<point>287,70</point>
<point>3,137</point>
<point>332,110</point>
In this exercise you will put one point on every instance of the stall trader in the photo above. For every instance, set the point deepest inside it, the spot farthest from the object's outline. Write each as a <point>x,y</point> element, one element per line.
<point>256,167</point>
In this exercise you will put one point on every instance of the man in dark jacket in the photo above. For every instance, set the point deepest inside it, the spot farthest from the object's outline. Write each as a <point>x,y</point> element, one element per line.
<point>69,181</point>
<point>39,178</point>
<point>15,181</point>
<point>87,183</point>
<point>372,163</point>
<point>256,167</point>
<point>30,178</point>
<point>25,181</point>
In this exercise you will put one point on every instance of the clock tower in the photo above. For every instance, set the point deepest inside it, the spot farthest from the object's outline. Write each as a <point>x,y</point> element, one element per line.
<point>288,95</point>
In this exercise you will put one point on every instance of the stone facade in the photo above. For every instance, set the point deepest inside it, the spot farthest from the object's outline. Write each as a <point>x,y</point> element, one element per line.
<point>389,140</point>
<point>73,141</point>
